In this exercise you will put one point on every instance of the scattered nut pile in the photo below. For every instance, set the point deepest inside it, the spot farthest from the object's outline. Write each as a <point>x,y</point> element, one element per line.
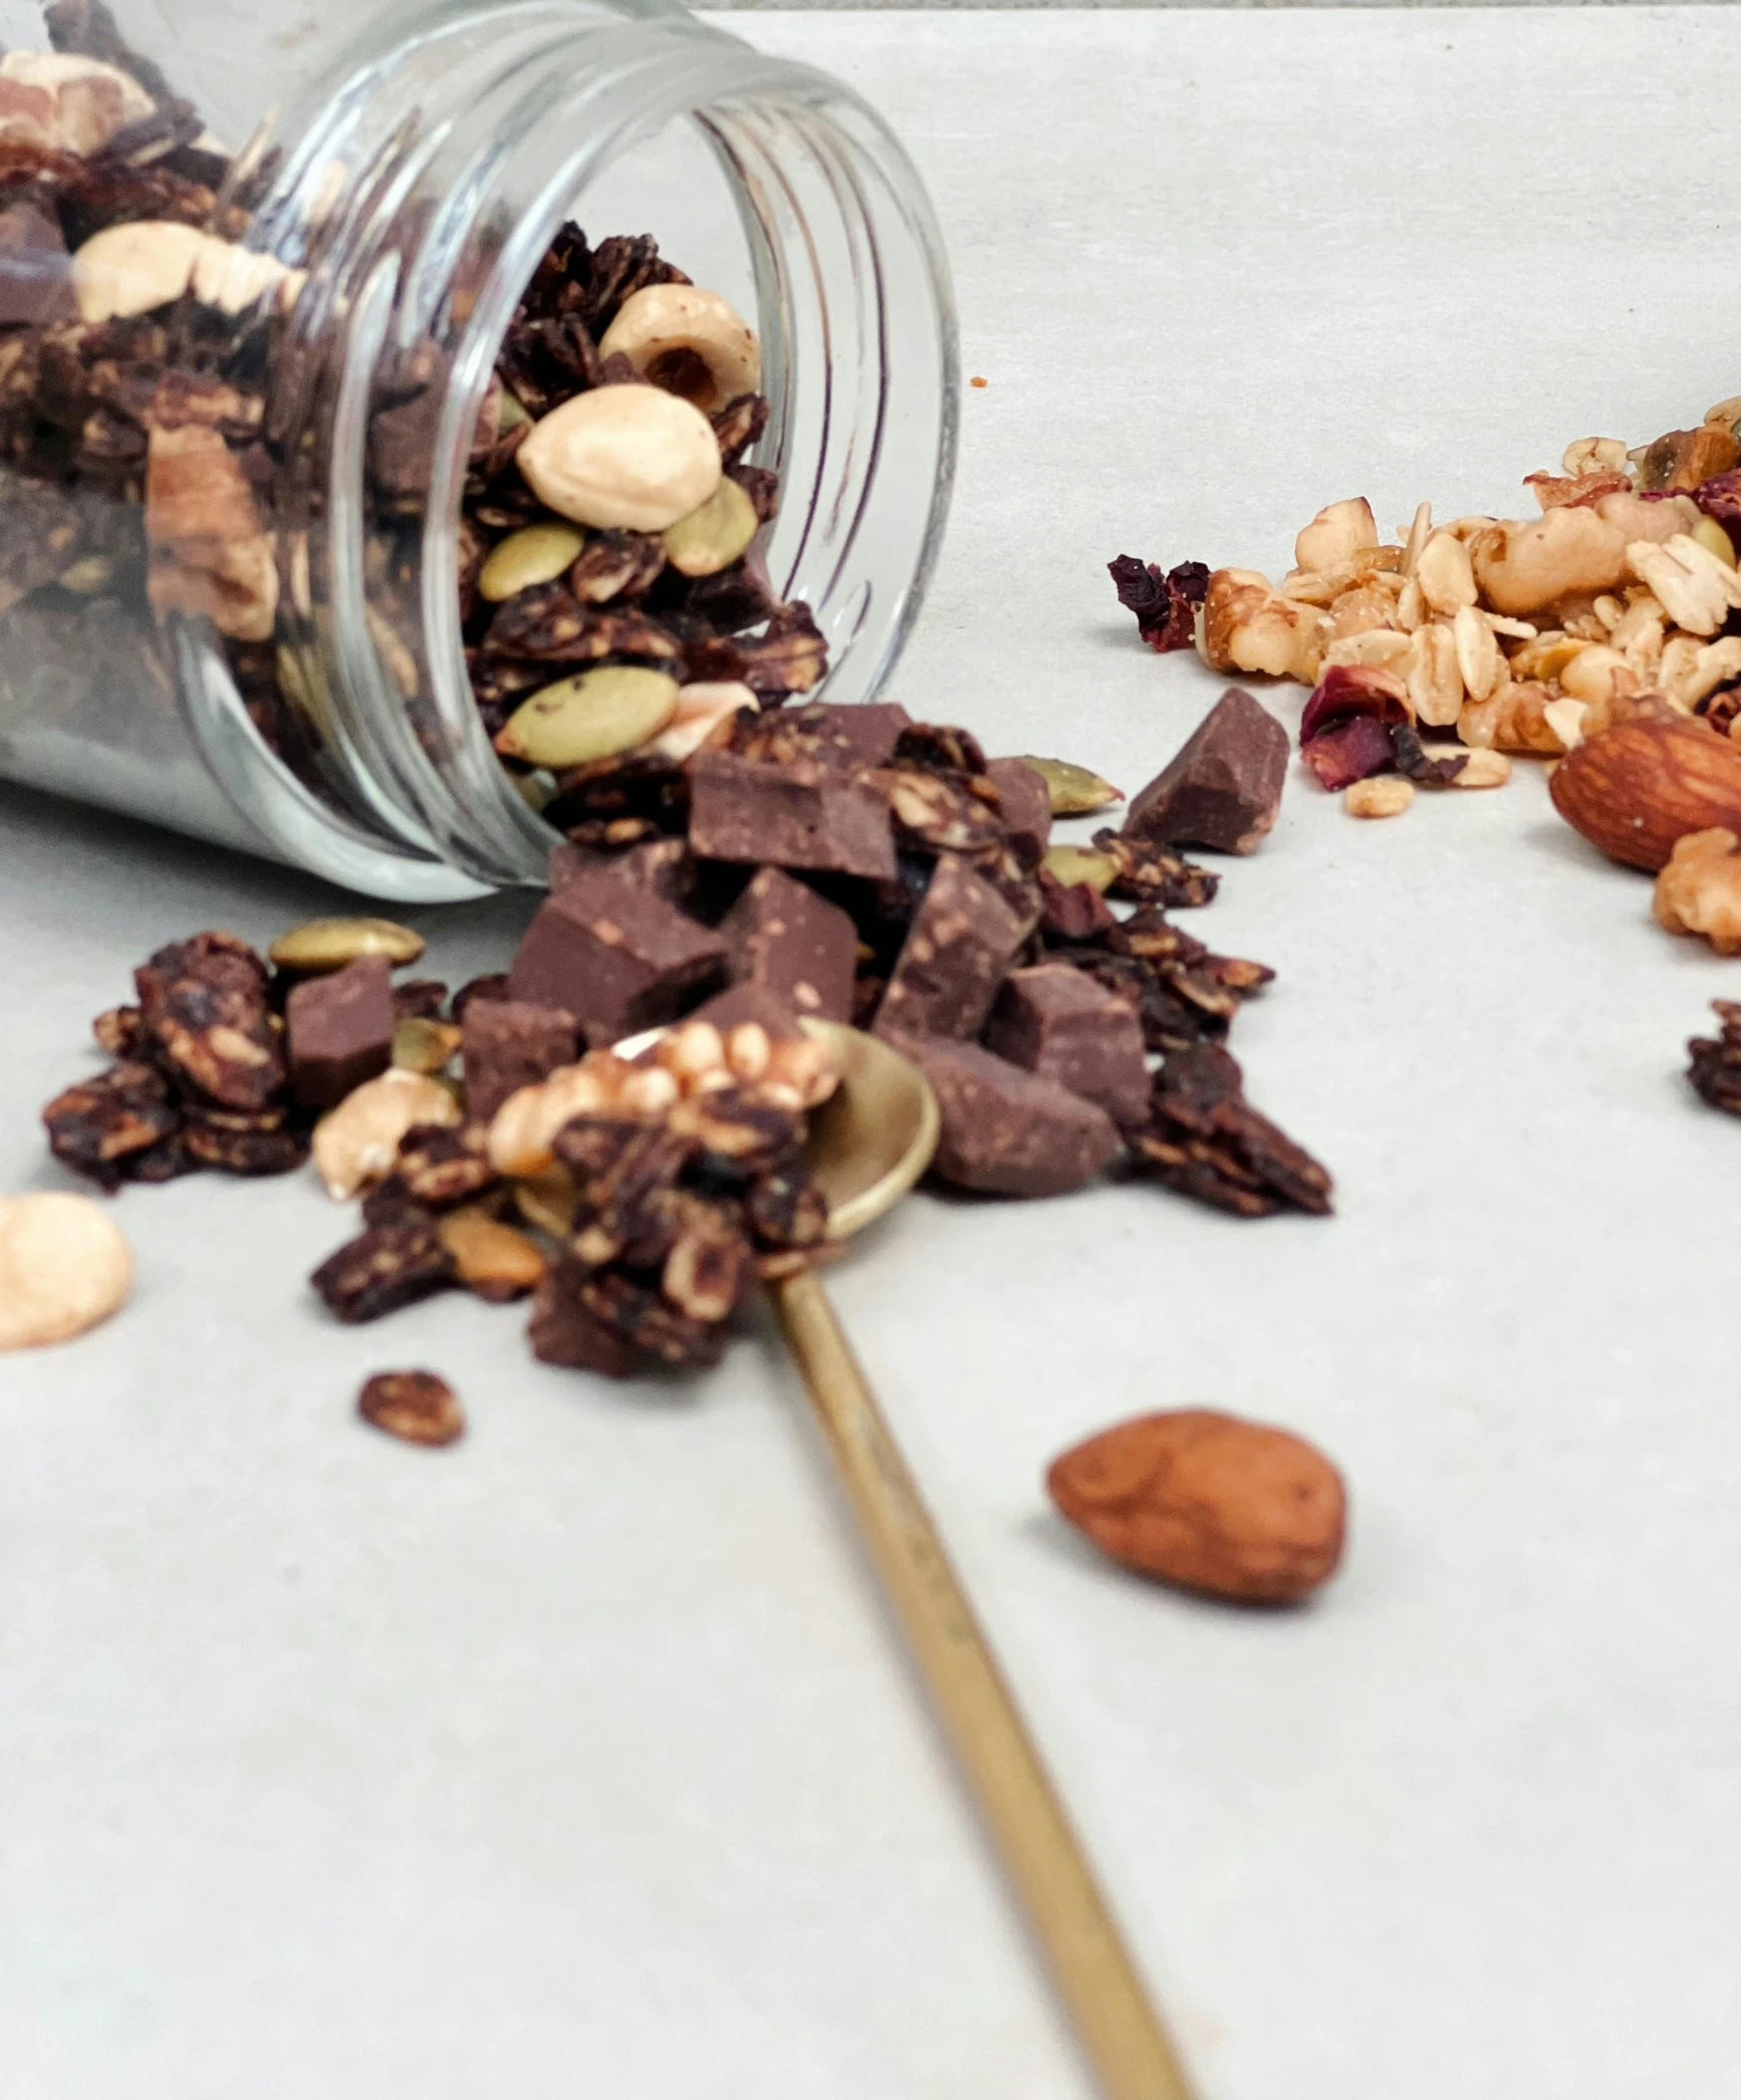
<point>612,587</point>
<point>1502,635</point>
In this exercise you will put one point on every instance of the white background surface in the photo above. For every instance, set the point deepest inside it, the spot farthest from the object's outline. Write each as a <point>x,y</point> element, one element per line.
<point>577,1760</point>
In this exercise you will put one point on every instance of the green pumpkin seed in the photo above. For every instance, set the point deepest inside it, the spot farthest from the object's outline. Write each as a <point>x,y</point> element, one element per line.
<point>538,554</point>
<point>1071,864</point>
<point>1075,791</point>
<point>329,943</point>
<point>425,1046</point>
<point>713,538</point>
<point>601,712</point>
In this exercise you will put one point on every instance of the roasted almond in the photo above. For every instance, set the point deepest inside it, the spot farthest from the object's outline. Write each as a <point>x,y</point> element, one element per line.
<point>1634,789</point>
<point>1208,1502</point>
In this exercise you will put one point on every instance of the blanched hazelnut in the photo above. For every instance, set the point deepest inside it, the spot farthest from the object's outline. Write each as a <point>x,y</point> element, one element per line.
<point>628,458</point>
<point>687,340</point>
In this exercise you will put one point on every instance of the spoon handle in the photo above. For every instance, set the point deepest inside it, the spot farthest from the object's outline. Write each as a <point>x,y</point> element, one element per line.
<point>1117,2026</point>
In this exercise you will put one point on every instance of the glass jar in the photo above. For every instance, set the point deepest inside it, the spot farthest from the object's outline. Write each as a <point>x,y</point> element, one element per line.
<point>238,437</point>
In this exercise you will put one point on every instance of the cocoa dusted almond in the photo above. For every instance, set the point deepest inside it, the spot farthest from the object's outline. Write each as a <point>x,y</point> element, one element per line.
<point>1636,788</point>
<point>1203,1499</point>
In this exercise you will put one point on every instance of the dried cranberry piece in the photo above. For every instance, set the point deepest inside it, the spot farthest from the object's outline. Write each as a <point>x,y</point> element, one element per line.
<point>1349,690</point>
<point>1350,751</point>
<point>1720,497</point>
<point>1164,602</point>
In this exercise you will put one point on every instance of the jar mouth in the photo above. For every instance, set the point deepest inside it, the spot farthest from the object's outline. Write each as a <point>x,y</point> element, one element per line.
<point>486,151</point>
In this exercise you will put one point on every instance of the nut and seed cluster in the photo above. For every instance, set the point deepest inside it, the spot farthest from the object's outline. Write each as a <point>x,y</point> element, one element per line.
<point>1437,656</point>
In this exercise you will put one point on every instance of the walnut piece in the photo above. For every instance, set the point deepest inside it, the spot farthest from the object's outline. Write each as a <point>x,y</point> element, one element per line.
<point>1699,891</point>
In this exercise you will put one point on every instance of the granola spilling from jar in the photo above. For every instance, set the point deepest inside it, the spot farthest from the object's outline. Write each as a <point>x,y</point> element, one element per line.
<point>1439,654</point>
<point>613,588</point>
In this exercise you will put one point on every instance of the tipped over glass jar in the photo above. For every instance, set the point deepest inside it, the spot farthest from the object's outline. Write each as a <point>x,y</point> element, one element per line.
<point>360,509</point>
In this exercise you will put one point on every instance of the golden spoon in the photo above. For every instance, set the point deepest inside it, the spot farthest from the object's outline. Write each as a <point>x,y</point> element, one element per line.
<point>869,1144</point>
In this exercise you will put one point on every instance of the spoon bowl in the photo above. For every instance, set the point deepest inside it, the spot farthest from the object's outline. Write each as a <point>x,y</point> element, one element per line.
<point>875,1136</point>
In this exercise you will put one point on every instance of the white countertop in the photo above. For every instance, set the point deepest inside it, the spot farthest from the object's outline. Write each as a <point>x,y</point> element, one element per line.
<point>578,1761</point>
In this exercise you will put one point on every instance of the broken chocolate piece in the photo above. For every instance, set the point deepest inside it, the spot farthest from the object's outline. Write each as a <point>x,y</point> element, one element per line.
<point>615,956</point>
<point>506,1044</point>
<point>339,1029</point>
<point>748,1002</point>
<point>846,739</point>
<point>802,949</point>
<point>1056,1021</point>
<point>1009,1132</point>
<point>800,815</point>
<point>1027,807</point>
<point>665,865</point>
<point>1714,1066</point>
<point>962,940</point>
<point>1204,1139</point>
<point>1224,787</point>
<point>1071,911</point>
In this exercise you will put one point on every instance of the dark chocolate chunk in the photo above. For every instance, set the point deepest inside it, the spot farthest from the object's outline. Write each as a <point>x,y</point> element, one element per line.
<point>101,1127</point>
<point>36,285</point>
<point>788,816</point>
<point>741,1005</point>
<point>493,985</point>
<point>383,1268</point>
<point>665,865</point>
<point>1009,1132</point>
<point>506,1044</point>
<point>1071,911</point>
<point>800,947</point>
<point>420,1000</point>
<point>845,739</point>
<point>1027,806</point>
<point>961,941</point>
<point>1224,787</point>
<point>1204,1139</point>
<point>615,956</point>
<point>1056,1021</point>
<point>339,1029</point>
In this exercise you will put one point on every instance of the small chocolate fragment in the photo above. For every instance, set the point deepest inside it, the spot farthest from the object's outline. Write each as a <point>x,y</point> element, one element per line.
<point>1027,807</point>
<point>36,284</point>
<point>961,941</point>
<point>741,1005</point>
<point>780,935</point>
<point>383,1268</point>
<point>666,865</point>
<point>339,1029</point>
<point>415,1406</point>
<point>800,815</point>
<point>506,1044</point>
<point>1224,787</point>
<point>494,986</point>
<point>1056,1021</point>
<point>1071,911</point>
<point>615,956</point>
<point>1006,1131</point>
<point>422,999</point>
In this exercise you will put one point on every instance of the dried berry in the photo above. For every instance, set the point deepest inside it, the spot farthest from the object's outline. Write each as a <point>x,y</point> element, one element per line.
<point>1164,602</point>
<point>1715,1066</point>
